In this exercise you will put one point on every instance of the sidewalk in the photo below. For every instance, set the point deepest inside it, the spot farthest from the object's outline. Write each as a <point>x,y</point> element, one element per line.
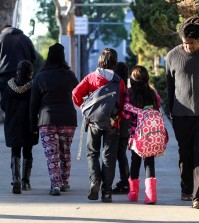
<point>74,207</point>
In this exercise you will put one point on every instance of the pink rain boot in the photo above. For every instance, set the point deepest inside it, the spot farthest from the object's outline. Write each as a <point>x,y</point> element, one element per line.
<point>150,191</point>
<point>134,187</point>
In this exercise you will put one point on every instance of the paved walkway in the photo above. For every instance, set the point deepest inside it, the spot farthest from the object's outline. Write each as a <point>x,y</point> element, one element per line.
<point>74,207</point>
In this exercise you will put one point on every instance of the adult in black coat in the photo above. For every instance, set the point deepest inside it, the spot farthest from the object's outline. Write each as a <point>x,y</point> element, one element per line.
<point>15,46</point>
<point>15,103</point>
<point>52,110</point>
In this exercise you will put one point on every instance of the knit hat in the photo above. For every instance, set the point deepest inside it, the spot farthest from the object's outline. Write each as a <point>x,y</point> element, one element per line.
<point>56,54</point>
<point>24,68</point>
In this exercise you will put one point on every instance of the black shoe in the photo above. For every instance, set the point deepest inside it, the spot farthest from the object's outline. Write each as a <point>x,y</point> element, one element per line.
<point>93,193</point>
<point>64,187</point>
<point>106,197</point>
<point>26,186</point>
<point>54,191</point>
<point>121,188</point>
<point>186,197</point>
<point>16,187</point>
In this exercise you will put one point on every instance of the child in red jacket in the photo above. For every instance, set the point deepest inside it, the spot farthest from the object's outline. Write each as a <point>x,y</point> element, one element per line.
<point>101,176</point>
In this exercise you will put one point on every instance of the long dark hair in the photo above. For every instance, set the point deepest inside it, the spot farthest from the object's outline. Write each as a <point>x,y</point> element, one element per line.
<point>142,93</point>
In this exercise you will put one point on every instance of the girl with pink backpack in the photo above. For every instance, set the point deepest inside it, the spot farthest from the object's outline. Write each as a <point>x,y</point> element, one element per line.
<point>140,95</point>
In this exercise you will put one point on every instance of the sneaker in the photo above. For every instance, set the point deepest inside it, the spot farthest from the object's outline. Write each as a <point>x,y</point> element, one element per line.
<point>64,187</point>
<point>54,191</point>
<point>186,197</point>
<point>195,204</point>
<point>93,193</point>
<point>106,197</point>
<point>121,188</point>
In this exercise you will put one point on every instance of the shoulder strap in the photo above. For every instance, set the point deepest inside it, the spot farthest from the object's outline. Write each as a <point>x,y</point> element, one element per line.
<point>129,107</point>
<point>115,78</point>
<point>98,99</point>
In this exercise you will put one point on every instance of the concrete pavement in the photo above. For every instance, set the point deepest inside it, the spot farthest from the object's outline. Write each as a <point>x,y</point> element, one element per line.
<point>74,207</point>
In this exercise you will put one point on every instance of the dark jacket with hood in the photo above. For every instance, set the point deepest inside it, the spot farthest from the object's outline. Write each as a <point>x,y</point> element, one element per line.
<point>51,98</point>
<point>15,46</point>
<point>15,103</point>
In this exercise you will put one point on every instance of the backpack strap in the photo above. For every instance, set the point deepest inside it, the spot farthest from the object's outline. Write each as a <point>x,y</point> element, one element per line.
<point>115,78</point>
<point>98,99</point>
<point>130,108</point>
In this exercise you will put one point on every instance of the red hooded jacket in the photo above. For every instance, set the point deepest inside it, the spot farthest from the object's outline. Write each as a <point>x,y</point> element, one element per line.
<point>91,83</point>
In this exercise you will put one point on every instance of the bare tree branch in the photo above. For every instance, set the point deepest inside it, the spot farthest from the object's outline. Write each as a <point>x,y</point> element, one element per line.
<point>63,14</point>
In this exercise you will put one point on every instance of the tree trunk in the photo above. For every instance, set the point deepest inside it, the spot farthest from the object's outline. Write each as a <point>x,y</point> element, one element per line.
<point>156,64</point>
<point>6,12</point>
<point>63,14</point>
<point>65,17</point>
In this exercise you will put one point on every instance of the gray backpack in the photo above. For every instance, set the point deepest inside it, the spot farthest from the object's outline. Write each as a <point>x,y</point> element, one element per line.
<point>102,106</point>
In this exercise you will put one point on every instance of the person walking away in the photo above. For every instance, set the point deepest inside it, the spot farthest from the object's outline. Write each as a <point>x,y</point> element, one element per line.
<point>122,187</point>
<point>52,110</point>
<point>104,173</point>
<point>15,46</point>
<point>182,71</point>
<point>15,103</point>
<point>140,94</point>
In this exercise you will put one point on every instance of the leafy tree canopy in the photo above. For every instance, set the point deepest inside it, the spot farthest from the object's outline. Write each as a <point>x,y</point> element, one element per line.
<point>158,19</point>
<point>46,14</point>
<point>98,15</point>
<point>140,46</point>
<point>109,33</point>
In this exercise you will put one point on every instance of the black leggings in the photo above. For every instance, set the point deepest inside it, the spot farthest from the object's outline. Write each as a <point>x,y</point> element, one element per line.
<point>149,166</point>
<point>27,152</point>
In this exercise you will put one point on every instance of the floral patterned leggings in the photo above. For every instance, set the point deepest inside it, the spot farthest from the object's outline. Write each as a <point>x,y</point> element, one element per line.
<point>56,141</point>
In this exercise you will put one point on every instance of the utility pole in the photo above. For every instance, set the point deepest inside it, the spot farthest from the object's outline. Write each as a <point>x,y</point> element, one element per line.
<point>71,34</point>
<point>78,12</point>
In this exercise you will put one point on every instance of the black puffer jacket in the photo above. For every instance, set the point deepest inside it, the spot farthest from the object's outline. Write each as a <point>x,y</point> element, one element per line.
<point>15,103</point>
<point>51,97</point>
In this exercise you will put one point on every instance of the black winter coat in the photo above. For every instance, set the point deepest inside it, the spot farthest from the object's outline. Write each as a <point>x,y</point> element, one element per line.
<point>14,47</point>
<point>51,97</point>
<point>15,103</point>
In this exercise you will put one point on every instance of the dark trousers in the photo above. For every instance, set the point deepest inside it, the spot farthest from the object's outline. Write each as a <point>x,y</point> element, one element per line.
<point>26,150</point>
<point>186,130</point>
<point>123,160</point>
<point>106,172</point>
<point>149,165</point>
